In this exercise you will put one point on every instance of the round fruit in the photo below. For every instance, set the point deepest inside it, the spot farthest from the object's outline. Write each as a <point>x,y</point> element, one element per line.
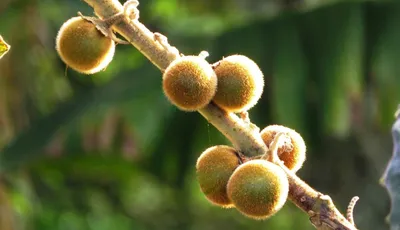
<point>294,154</point>
<point>189,83</point>
<point>82,47</point>
<point>258,188</point>
<point>240,83</point>
<point>214,168</point>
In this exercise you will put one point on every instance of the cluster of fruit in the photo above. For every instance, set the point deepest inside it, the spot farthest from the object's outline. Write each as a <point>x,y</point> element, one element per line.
<point>190,82</point>
<point>235,83</point>
<point>257,187</point>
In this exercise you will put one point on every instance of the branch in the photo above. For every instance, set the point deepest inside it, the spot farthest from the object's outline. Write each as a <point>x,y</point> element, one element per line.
<point>242,133</point>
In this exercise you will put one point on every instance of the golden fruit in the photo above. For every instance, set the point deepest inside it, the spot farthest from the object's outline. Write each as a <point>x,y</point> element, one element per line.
<point>258,189</point>
<point>82,47</point>
<point>189,83</point>
<point>240,83</point>
<point>293,154</point>
<point>214,168</point>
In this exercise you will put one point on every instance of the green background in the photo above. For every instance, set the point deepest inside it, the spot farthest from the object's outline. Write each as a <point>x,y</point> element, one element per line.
<point>108,151</point>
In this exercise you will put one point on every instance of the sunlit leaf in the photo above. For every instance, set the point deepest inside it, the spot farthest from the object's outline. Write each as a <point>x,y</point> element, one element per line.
<point>4,47</point>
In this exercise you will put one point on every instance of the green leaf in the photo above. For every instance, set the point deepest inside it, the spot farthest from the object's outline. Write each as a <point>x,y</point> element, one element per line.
<point>88,167</point>
<point>289,76</point>
<point>385,65</point>
<point>4,47</point>
<point>335,42</point>
<point>244,40</point>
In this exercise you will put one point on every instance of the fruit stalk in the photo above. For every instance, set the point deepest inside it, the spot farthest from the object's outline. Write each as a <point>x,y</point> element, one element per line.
<point>243,135</point>
<point>135,32</point>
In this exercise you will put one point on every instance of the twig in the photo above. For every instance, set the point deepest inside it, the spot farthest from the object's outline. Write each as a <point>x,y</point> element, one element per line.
<point>243,134</point>
<point>350,209</point>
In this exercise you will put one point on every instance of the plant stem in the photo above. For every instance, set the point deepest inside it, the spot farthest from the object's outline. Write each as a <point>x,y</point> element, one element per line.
<point>243,134</point>
<point>135,32</point>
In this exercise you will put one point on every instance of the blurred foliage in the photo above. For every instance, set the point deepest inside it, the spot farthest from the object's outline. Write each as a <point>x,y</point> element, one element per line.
<point>108,151</point>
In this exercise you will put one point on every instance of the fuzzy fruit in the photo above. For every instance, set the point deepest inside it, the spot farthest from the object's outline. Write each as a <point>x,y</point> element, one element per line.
<point>240,83</point>
<point>214,168</point>
<point>293,154</point>
<point>82,47</point>
<point>189,83</point>
<point>258,189</point>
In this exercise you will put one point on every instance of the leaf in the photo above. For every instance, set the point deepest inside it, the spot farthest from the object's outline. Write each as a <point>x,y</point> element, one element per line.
<point>4,47</point>
<point>201,17</point>
<point>246,42</point>
<point>84,167</point>
<point>335,42</point>
<point>290,73</point>
<point>28,145</point>
<point>391,177</point>
<point>385,67</point>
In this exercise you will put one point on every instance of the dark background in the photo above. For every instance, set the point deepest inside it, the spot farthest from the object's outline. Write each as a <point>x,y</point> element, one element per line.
<point>108,151</point>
